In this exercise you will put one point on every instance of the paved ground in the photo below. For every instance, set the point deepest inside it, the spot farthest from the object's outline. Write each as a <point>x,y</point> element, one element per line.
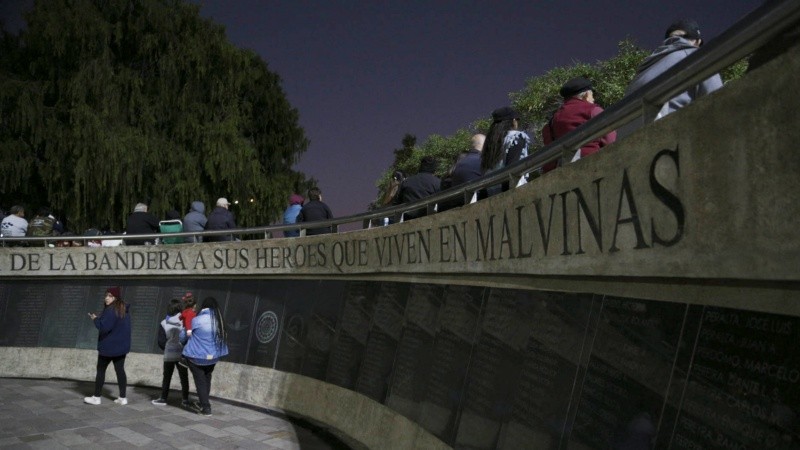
<point>50,414</point>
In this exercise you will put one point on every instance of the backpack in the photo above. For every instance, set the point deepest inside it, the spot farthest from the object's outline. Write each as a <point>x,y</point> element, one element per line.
<point>40,227</point>
<point>171,226</point>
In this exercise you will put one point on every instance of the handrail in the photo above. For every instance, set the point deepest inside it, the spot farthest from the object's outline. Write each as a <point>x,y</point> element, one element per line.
<point>739,41</point>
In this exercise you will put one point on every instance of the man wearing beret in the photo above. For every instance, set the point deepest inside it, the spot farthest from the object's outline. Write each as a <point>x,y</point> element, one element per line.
<point>682,38</point>
<point>578,108</point>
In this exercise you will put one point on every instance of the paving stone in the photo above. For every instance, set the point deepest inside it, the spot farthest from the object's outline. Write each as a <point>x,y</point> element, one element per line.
<point>128,435</point>
<point>69,438</point>
<point>64,421</point>
<point>238,430</point>
<point>208,430</point>
<point>48,444</point>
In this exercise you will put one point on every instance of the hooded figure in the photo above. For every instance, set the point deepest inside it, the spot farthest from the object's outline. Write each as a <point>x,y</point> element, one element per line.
<point>195,220</point>
<point>682,38</point>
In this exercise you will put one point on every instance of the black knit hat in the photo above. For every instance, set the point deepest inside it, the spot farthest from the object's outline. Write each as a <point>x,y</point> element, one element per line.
<point>428,164</point>
<point>504,113</point>
<point>574,87</point>
<point>688,26</point>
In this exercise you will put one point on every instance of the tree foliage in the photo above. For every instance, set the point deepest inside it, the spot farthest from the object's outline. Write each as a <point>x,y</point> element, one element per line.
<point>106,103</point>
<point>537,101</point>
<point>402,154</point>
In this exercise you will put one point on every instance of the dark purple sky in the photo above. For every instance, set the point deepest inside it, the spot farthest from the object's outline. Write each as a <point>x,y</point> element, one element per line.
<point>365,73</point>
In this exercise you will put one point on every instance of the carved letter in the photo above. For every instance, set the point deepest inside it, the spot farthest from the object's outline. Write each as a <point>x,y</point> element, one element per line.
<point>625,190</point>
<point>595,225</point>
<point>669,199</point>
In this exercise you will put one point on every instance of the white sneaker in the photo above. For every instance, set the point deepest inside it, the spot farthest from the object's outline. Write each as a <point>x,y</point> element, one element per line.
<point>91,400</point>
<point>121,401</point>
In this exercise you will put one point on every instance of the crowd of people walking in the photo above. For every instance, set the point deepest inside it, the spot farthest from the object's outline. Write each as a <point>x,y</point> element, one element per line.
<point>504,143</point>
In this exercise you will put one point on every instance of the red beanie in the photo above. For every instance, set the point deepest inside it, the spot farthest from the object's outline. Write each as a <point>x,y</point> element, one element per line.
<point>115,291</point>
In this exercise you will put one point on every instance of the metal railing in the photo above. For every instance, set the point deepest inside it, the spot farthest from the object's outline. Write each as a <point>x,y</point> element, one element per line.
<point>740,40</point>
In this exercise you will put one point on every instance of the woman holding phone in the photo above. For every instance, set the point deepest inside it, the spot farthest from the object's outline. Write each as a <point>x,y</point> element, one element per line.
<point>113,344</point>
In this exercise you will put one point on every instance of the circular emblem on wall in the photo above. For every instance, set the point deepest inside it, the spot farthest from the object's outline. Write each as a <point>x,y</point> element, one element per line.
<point>267,327</point>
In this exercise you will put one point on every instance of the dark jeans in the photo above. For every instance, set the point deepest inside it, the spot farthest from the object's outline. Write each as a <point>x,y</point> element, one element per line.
<point>119,368</point>
<point>183,374</point>
<point>202,381</point>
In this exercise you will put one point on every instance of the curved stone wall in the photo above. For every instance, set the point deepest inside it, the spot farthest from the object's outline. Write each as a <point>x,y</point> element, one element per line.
<point>483,367</point>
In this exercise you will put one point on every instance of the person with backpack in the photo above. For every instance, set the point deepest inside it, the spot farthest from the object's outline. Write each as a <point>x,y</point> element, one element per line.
<point>43,224</point>
<point>169,334</point>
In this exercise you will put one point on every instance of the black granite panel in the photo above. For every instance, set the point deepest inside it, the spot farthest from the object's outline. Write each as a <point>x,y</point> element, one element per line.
<point>70,301</point>
<point>479,367</point>
<point>298,308</point>
<point>352,334</point>
<point>379,354</point>
<point>424,306</point>
<point>323,321</point>
<point>677,389</point>
<point>743,389</point>
<point>390,308</point>
<point>494,371</point>
<point>376,366</point>
<point>531,367</point>
<point>239,309</point>
<point>623,393</point>
<point>453,345</point>
<point>145,309</point>
<point>414,355</point>
<point>25,312</point>
<point>412,365</point>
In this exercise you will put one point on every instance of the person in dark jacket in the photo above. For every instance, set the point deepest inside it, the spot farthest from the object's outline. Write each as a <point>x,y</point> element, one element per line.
<point>221,219</point>
<point>315,210</point>
<point>423,184</point>
<point>141,222</point>
<point>195,220</point>
<point>467,168</point>
<point>113,344</point>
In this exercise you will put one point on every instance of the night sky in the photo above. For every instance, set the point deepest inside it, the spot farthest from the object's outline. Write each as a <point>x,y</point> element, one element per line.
<point>364,73</point>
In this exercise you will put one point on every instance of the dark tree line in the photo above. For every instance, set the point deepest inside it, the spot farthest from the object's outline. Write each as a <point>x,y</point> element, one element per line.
<point>105,103</point>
